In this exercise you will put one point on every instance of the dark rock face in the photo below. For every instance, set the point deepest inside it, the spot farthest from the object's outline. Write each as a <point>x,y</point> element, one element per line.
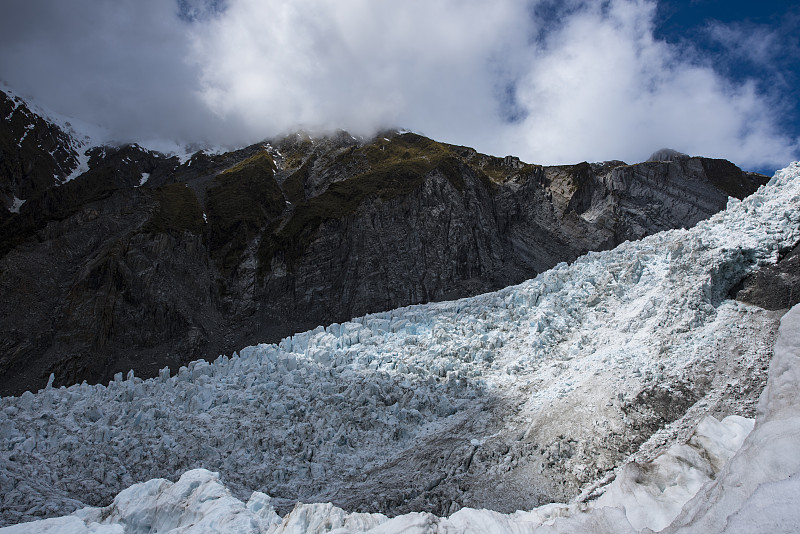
<point>775,287</point>
<point>105,273</point>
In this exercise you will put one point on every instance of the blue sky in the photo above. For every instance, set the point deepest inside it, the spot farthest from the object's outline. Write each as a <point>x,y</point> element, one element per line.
<point>756,40</point>
<point>762,40</point>
<point>549,81</point>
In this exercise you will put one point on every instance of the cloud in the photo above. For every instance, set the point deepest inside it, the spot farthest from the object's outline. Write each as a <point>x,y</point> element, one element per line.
<point>551,82</point>
<point>357,65</point>
<point>594,84</point>
<point>602,86</point>
<point>767,52</point>
<point>121,64</point>
<point>746,41</point>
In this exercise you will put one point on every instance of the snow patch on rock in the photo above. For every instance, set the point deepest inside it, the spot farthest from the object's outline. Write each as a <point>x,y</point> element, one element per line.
<point>16,204</point>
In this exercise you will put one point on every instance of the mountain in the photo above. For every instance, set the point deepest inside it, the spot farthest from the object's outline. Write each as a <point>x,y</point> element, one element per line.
<point>118,258</point>
<point>620,384</point>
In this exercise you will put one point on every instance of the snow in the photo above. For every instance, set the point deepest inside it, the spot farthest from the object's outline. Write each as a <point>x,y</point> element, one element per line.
<point>562,354</point>
<point>652,495</point>
<point>145,177</point>
<point>771,508</point>
<point>16,204</point>
<point>182,151</point>
<point>61,525</point>
<point>83,161</point>
<point>759,486</point>
<point>196,503</point>
<point>28,128</point>
<point>82,135</point>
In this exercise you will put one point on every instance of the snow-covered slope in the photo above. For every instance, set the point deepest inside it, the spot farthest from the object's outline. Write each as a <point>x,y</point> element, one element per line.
<point>505,400</point>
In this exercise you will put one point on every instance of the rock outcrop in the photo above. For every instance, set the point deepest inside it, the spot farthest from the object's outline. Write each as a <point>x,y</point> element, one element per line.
<point>34,154</point>
<point>775,287</point>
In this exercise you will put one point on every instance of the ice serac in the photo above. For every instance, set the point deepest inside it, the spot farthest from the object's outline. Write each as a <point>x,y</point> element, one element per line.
<point>750,487</point>
<point>218,251</point>
<point>197,503</point>
<point>652,494</point>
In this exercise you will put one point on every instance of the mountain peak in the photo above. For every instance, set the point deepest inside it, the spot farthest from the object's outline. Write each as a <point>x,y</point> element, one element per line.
<point>667,154</point>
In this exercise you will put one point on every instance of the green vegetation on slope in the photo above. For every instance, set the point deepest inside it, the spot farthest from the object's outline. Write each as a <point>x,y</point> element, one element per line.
<point>394,168</point>
<point>244,199</point>
<point>178,210</point>
<point>499,172</point>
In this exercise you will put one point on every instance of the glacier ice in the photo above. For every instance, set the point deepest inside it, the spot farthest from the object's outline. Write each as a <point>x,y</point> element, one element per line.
<point>742,488</point>
<point>573,374</point>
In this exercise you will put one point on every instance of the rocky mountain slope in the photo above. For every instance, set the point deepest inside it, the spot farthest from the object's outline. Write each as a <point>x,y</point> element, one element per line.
<point>35,154</point>
<point>145,260</point>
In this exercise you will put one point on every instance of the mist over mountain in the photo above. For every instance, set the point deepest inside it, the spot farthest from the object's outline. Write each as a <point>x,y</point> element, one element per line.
<point>550,82</point>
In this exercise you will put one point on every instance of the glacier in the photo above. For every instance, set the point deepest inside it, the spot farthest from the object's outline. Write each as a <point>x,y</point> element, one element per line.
<point>592,383</point>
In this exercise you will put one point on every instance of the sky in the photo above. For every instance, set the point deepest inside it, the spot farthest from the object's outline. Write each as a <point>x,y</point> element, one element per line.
<point>549,81</point>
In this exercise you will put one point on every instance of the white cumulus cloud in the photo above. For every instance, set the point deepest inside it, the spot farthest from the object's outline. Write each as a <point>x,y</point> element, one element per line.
<point>587,81</point>
<point>601,86</point>
<point>356,65</point>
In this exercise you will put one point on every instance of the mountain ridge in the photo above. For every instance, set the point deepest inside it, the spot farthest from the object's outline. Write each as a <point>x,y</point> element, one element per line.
<point>146,260</point>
